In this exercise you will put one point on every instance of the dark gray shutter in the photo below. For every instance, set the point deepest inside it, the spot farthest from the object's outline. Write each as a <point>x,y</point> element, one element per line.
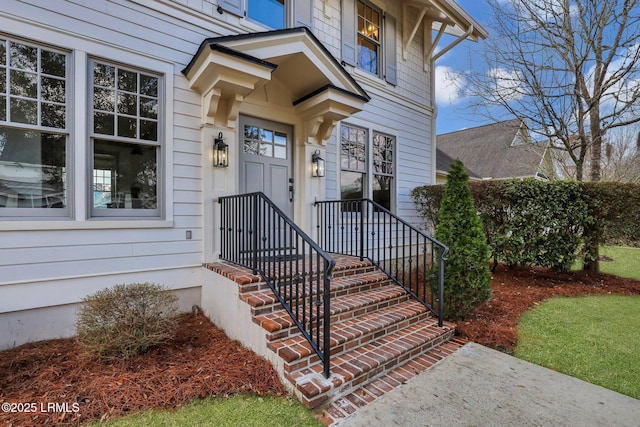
<point>233,6</point>
<point>303,10</point>
<point>349,41</point>
<point>390,51</point>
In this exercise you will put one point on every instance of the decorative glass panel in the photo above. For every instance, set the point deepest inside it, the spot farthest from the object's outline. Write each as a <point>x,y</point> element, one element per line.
<point>125,176</point>
<point>33,172</point>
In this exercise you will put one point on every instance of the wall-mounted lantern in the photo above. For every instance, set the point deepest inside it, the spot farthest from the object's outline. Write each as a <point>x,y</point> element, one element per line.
<point>317,164</point>
<point>220,152</point>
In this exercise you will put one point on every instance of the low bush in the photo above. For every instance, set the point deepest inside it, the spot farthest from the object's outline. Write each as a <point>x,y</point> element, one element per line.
<point>126,320</point>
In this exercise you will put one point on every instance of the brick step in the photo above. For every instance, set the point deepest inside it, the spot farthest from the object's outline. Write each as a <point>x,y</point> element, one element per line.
<point>368,362</point>
<point>264,301</point>
<point>347,405</point>
<point>346,335</point>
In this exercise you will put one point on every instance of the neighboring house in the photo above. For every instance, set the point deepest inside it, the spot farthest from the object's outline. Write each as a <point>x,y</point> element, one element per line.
<point>500,150</point>
<point>443,166</point>
<point>123,123</point>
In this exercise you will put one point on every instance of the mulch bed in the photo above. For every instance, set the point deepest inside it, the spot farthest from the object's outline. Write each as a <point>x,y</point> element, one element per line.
<point>201,361</point>
<point>516,290</point>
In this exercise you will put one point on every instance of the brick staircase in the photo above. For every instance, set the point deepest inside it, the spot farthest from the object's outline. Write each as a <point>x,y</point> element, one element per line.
<point>380,337</point>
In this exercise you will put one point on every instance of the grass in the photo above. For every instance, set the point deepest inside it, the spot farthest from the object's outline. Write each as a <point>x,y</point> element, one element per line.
<point>593,338</point>
<point>626,261</point>
<point>243,410</point>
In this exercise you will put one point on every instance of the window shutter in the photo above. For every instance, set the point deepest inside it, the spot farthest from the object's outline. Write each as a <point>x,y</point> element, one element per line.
<point>303,10</point>
<point>390,51</point>
<point>349,41</point>
<point>232,6</point>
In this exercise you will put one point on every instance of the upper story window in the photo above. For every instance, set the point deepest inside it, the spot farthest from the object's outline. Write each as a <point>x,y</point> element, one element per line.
<point>125,141</point>
<point>368,37</point>
<point>33,129</point>
<point>274,14</point>
<point>271,13</point>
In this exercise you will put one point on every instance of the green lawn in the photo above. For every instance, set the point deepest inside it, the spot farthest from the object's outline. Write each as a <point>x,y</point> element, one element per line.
<point>246,411</point>
<point>626,261</point>
<point>593,338</point>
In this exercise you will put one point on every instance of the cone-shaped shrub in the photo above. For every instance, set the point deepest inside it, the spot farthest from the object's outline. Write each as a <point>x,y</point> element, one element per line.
<point>466,276</point>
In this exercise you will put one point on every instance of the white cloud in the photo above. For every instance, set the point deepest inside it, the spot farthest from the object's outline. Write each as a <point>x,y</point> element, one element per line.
<point>508,85</point>
<point>448,85</point>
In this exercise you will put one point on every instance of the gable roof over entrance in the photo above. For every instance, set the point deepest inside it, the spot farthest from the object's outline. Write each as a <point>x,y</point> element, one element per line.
<point>227,69</point>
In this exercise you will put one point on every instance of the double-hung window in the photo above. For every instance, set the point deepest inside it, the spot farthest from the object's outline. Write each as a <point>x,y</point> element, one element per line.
<point>369,39</point>
<point>369,20</point>
<point>34,152</point>
<point>125,141</point>
<point>367,173</point>
<point>271,13</point>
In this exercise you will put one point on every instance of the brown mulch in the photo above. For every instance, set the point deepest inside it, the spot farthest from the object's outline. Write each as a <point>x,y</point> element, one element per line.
<point>201,361</point>
<point>516,290</point>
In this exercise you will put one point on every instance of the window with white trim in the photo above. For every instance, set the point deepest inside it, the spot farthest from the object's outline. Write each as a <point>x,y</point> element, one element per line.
<point>271,13</point>
<point>34,137</point>
<point>125,141</point>
<point>367,173</point>
<point>369,24</point>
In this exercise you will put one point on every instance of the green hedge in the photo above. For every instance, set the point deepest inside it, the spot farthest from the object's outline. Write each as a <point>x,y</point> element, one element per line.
<point>547,223</point>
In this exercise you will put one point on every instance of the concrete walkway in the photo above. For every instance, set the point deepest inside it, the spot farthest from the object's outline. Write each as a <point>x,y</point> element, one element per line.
<point>478,386</point>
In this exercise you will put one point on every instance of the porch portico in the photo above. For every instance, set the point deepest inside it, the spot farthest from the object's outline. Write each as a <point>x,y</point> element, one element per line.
<point>285,76</point>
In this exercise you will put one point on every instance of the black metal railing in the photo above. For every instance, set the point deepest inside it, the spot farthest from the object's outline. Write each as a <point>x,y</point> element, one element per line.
<point>409,256</point>
<point>256,234</point>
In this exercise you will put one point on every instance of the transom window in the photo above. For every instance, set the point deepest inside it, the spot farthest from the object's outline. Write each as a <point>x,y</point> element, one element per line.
<point>369,19</point>
<point>264,142</point>
<point>125,141</point>
<point>357,180</point>
<point>33,128</point>
<point>271,13</point>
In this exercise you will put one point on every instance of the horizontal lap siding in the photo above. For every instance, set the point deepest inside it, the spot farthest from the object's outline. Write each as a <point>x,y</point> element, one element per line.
<point>51,259</point>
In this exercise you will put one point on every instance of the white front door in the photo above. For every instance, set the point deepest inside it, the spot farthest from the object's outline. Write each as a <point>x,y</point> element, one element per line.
<point>266,160</point>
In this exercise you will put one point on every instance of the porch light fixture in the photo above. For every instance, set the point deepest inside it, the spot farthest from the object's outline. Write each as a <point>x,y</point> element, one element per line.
<point>220,152</point>
<point>317,164</point>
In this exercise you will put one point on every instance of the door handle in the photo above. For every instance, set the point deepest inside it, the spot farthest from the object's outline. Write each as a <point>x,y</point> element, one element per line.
<point>291,189</point>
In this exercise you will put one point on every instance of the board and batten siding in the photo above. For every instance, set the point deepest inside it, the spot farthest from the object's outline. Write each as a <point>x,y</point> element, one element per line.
<point>47,266</point>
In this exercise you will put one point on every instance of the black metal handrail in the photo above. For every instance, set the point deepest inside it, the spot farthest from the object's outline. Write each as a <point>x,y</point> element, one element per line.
<point>409,256</point>
<point>256,234</point>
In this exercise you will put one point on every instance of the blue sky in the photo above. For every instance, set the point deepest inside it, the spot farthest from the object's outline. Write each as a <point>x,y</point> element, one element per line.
<point>451,114</point>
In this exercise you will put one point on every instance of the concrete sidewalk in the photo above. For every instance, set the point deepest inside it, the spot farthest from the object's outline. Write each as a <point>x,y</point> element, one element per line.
<point>478,386</point>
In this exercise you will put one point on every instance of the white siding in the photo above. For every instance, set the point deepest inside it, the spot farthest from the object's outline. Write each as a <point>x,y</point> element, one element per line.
<point>53,264</point>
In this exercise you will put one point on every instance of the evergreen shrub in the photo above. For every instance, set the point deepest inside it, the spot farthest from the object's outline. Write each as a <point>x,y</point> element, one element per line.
<point>126,320</point>
<point>466,273</point>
